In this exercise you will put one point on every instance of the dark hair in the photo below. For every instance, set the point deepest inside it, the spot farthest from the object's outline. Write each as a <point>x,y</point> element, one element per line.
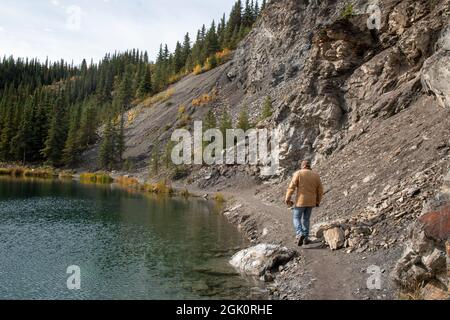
<point>306,164</point>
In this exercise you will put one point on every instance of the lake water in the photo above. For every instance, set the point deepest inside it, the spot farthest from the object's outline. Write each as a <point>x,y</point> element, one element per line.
<point>127,245</point>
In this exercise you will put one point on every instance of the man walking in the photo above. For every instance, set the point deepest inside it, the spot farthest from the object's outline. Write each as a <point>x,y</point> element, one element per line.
<point>309,195</point>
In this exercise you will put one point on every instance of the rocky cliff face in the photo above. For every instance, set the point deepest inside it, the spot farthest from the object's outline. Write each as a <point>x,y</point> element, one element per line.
<point>330,76</point>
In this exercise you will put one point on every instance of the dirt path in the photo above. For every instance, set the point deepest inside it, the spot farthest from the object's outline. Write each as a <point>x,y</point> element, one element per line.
<point>333,277</point>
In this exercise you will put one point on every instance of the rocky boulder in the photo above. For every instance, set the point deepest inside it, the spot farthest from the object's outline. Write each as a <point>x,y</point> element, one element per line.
<point>435,73</point>
<point>424,263</point>
<point>258,260</point>
<point>334,238</point>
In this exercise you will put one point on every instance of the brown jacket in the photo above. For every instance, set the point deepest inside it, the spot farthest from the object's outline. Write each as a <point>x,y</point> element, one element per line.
<point>309,189</point>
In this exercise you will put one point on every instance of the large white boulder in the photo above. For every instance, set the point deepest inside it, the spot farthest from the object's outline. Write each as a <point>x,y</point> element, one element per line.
<point>255,261</point>
<point>335,238</point>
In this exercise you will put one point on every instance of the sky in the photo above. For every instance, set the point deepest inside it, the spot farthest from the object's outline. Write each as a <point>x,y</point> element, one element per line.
<point>83,29</point>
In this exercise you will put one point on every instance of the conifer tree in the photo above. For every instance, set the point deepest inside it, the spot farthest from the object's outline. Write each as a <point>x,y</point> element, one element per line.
<point>186,50</point>
<point>243,120</point>
<point>145,87</point>
<point>119,140</point>
<point>88,126</point>
<point>226,123</point>
<point>106,155</point>
<point>210,121</point>
<point>5,137</point>
<point>168,154</point>
<point>178,58</point>
<point>20,142</point>
<point>247,19</point>
<point>267,111</point>
<point>212,41</point>
<point>71,150</point>
<point>154,159</point>
<point>56,138</point>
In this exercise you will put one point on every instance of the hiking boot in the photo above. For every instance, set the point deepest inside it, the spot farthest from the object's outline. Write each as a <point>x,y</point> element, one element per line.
<point>301,241</point>
<point>307,242</point>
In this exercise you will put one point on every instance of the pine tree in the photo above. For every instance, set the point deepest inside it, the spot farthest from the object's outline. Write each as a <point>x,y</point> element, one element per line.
<point>145,87</point>
<point>263,6</point>
<point>243,120</point>
<point>20,142</point>
<point>221,33</point>
<point>88,126</point>
<point>210,121</point>
<point>267,111</point>
<point>178,58</point>
<point>124,95</point>
<point>186,50</point>
<point>256,11</point>
<point>119,140</point>
<point>71,150</point>
<point>247,19</point>
<point>233,25</point>
<point>212,41</point>
<point>154,159</point>
<point>168,154</point>
<point>226,123</point>
<point>56,138</point>
<point>5,137</point>
<point>106,155</point>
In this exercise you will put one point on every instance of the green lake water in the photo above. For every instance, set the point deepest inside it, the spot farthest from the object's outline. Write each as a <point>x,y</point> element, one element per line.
<point>127,245</point>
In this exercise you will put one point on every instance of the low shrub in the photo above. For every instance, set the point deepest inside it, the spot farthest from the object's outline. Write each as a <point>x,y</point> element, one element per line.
<point>197,70</point>
<point>128,182</point>
<point>162,187</point>
<point>220,198</point>
<point>100,178</point>
<point>160,97</point>
<point>348,11</point>
<point>205,99</point>
<point>5,171</point>
<point>44,173</point>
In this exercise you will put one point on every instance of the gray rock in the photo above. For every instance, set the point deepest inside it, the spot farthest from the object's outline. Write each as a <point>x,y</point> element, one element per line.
<point>436,77</point>
<point>334,238</point>
<point>255,261</point>
<point>436,261</point>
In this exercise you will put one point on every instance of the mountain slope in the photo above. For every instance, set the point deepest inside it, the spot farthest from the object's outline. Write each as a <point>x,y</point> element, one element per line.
<point>370,107</point>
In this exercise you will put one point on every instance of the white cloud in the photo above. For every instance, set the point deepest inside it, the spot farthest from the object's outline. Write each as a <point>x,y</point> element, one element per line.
<point>2,29</point>
<point>74,18</point>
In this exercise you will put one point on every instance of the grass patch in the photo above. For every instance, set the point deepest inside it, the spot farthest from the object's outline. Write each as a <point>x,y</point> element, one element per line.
<point>163,187</point>
<point>213,61</point>
<point>97,178</point>
<point>5,171</point>
<point>348,11</point>
<point>43,173</point>
<point>128,182</point>
<point>24,172</point>
<point>160,97</point>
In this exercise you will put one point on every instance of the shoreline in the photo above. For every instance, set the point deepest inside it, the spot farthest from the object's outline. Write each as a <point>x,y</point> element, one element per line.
<point>262,219</point>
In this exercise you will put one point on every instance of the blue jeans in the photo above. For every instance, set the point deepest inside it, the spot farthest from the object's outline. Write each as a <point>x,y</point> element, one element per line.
<point>302,218</point>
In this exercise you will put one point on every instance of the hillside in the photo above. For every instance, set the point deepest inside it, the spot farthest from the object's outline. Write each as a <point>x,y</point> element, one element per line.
<point>370,107</point>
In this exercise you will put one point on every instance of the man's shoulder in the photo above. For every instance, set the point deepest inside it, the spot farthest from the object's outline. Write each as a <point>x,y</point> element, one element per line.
<point>309,173</point>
